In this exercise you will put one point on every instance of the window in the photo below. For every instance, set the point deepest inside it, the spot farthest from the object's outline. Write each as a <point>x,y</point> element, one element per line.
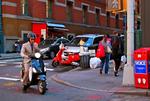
<point>138,24</point>
<point>24,35</point>
<point>108,19</point>
<point>49,8</point>
<point>97,16</point>
<point>117,21</point>
<point>97,40</point>
<point>69,10</point>
<point>85,14</point>
<point>24,4</point>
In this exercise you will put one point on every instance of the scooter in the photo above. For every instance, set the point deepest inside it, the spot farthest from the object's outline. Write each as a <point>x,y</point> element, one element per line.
<point>37,73</point>
<point>65,59</point>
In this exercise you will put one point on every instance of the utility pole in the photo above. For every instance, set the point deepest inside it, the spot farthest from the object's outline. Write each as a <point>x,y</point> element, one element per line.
<point>128,74</point>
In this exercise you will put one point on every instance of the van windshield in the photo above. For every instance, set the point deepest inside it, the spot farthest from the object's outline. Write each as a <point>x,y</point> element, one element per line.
<point>76,41</point>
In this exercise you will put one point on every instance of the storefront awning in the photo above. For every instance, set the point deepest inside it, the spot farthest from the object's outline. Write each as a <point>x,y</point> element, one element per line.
<point>55,25</point>
<point>58,27</point>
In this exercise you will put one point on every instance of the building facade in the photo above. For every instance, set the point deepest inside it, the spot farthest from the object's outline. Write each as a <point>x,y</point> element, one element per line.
<point>79,16</point>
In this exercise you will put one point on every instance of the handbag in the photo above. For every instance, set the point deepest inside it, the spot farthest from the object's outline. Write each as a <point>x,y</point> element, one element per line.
<point>100,51</point>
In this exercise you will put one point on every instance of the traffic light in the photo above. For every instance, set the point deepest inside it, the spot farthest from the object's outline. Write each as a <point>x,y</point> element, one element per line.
<point>116,5</point>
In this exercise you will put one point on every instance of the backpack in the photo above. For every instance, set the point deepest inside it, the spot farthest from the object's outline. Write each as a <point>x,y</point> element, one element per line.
<point>100,51</point>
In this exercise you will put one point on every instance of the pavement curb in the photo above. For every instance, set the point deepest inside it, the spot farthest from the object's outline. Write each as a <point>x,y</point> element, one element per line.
<point>55,78</point>
<point>141,93</point>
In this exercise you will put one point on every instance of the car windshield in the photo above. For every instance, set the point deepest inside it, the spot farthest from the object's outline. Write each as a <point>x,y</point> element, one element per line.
<point>77,40</point>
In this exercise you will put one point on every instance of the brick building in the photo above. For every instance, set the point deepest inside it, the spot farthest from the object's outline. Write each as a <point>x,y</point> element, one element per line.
<point>78,16</point>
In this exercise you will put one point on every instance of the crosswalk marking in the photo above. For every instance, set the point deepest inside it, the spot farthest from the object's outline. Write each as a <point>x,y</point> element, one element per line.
<point>3,62</point>
<point>1,65</point>
<point>49,69</point>
<point>9,79</point>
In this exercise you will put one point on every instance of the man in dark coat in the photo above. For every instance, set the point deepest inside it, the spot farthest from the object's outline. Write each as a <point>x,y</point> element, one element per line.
<point>116,52</point>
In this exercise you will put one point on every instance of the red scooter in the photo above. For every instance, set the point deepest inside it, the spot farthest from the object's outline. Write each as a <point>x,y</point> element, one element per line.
<point>67,59</point>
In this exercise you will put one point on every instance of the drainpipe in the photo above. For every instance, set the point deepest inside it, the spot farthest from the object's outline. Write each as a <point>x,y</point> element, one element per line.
<point>1,30</point>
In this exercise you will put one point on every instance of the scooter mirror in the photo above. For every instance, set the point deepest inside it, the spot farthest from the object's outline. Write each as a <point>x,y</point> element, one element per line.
<point>37,55</point>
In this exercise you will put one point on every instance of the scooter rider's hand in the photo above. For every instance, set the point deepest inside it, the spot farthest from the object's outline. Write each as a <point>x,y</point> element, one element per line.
<point>31,56</point>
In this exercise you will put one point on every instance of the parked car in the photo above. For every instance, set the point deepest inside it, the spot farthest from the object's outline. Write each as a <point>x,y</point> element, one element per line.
<point>50,47</point>
<point>89,43</point>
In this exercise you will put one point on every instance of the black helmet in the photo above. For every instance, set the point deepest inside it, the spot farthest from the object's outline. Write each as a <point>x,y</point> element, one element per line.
<point>31,35</point>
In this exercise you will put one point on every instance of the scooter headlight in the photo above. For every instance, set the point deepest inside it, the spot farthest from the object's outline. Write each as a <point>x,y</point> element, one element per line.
<point>37,55</point>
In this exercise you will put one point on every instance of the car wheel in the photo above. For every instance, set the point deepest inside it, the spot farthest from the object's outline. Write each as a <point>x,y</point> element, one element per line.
<point>52,54</point>
<point>84,61</point>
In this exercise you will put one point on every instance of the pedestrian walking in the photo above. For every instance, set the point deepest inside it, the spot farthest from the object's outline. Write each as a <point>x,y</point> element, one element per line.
<point>116,53</point>
<point>104,54</point>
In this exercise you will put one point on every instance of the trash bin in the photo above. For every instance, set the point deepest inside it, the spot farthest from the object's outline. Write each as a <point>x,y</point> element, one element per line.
<point>85,61</point>
<point>142,68</point>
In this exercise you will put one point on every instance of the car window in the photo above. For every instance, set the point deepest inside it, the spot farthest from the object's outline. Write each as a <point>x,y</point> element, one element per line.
<point>58,41</point>
<point>96,40</point>
<point>64,41</point>
<point>89,42</point>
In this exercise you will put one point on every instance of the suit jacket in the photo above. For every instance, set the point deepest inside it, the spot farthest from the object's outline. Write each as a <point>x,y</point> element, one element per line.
<point>27,51</point>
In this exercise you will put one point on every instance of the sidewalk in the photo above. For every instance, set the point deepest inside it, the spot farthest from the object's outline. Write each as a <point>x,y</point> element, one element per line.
<point>92,80</point>
<point>9,56</point>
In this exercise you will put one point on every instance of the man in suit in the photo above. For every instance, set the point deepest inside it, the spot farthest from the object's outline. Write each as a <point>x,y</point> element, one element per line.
<point>27,51</point>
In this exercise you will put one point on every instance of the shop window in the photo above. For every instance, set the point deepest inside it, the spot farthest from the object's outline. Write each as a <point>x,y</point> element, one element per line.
<point>24,35</point>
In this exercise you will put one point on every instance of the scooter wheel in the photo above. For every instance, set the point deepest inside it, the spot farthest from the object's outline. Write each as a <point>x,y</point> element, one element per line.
<point>42,87</point>
<point>55,64</point>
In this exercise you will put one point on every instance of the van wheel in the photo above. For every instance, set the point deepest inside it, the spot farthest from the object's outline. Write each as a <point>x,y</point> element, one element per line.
<point>84,61</point>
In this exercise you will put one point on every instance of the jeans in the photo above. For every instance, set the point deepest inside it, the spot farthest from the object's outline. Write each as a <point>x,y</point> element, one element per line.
<point>105,62</point>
